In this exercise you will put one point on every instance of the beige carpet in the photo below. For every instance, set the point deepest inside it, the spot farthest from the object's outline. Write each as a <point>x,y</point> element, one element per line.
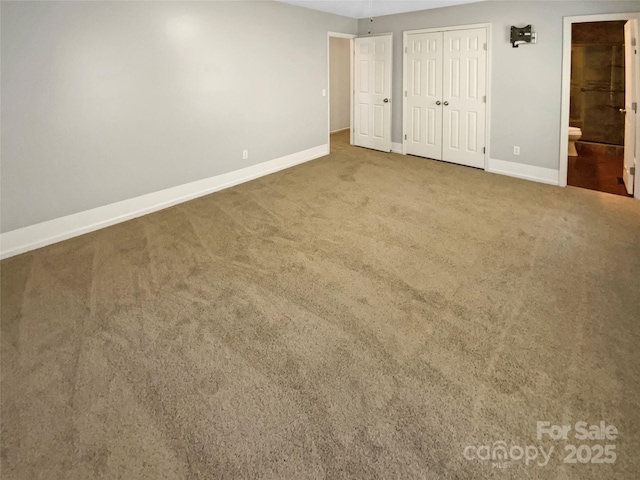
<point>365,315</point>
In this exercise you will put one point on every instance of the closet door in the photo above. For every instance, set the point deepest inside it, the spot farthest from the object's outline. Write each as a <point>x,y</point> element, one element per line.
<point>423,115</point>
<point>464,97</point>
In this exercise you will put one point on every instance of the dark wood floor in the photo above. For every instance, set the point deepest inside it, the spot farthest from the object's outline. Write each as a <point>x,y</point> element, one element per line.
<point>597,170</point>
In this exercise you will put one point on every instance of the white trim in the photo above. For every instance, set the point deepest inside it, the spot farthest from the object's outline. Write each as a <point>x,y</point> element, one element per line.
<point>526,172</point>
<point>390,35</point>
<point>367,35</point>
<point>402,92</point>
<point>342,35</point>
<point>487,110</point>
<point>351,37</point>
<point>397,148</point>
<point>445,29</point>
<point>566,81</point>
<point>52,231</point>
<point>487,122</point>
<point>339,130</point>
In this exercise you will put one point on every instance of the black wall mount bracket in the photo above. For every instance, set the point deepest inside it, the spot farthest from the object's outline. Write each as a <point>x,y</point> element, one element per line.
<point>522,35</point>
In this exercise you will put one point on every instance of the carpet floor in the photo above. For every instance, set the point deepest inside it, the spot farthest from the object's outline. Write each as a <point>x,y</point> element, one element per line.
<point>365,315</point>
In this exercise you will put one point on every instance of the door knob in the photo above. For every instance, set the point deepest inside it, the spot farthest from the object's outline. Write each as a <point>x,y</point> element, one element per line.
<point>446,103</point>
<point>438,102</point>
<point>623,110</point>
<point>386,100</point>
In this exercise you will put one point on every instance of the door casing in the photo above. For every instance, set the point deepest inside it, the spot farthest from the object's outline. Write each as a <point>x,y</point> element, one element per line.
<point>631,75</point>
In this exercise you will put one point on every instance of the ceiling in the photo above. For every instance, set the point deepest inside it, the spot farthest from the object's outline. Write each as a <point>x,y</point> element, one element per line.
<point>375,8</point>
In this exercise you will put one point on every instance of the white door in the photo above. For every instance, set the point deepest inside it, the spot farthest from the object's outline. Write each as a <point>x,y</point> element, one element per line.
<point>372,111</point>
<point>630,86</point>
<point>423,102</point>
<point>445,95</point>
<point>463,97</point>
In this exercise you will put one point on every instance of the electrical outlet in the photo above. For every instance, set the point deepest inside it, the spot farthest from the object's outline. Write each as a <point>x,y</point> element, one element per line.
<point>516,150</point>
<point>324,92</point>
<point>245,154</point>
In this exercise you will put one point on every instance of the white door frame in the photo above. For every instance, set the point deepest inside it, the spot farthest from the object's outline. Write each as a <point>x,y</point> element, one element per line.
<point>488,104</point>
<point>566,91</point>
<point>351,38</point>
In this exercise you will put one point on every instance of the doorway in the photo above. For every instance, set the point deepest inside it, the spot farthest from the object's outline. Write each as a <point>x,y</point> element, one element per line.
<point>596,107</point>
<point>340,48</point>
<point>598,147</point>
<point>369,100</point>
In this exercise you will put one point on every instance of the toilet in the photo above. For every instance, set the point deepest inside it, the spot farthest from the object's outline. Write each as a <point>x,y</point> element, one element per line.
<point>574,135</point>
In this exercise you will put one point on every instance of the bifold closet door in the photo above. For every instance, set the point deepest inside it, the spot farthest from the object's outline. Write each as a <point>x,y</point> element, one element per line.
<point>464,97</point>
<point>424,95</point>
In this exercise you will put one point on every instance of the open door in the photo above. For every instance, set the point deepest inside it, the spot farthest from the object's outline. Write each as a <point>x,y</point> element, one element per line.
<point>372,102</point>
<point>630,102</point>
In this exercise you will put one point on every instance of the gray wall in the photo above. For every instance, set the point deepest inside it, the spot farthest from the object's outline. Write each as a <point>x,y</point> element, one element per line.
<point>526,81</point>
<point>339,83</point>
<point>105,101</point>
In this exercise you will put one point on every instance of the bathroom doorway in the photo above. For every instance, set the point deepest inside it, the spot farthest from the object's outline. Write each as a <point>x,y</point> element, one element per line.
<point>598,92</point>
<point>596,106</point>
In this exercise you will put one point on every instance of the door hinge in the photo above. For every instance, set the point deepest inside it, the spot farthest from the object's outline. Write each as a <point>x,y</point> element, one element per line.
<point>634,107</point>
<point>633,42</point>
<point>484,99</point>
<point>405,93</point>
<point>405,49</point>
<point>484,149</point>
<point>405,136</point>
<point>632,171</point>
<point>485,46</point>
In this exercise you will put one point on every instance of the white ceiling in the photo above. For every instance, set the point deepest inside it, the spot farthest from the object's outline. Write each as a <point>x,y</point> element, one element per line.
<point>375,8</point>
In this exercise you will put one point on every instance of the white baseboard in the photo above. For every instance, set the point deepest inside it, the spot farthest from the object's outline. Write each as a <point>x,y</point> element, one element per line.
<point>52,231</point>
<point>396,147</point>
<point>526,172</point>
<point>340,130</point>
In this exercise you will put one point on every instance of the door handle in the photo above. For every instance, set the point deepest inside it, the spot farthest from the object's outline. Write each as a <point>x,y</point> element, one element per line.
<point>446,103</point>
<point>386,100</point>
<point>438,102</point>
<point>623,110</point>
